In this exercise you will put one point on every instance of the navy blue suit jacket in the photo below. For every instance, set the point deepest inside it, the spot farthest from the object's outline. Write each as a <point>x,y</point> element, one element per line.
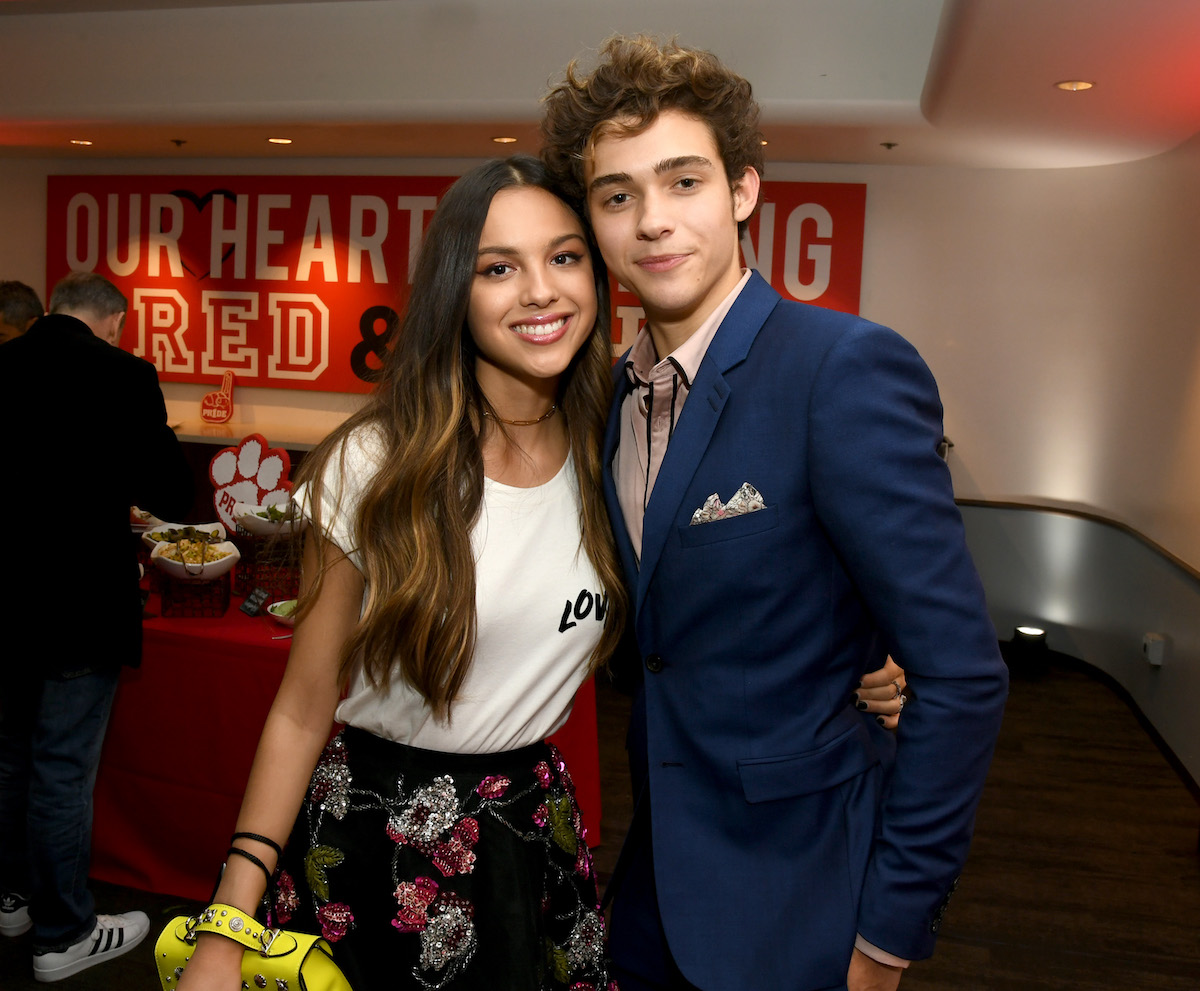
<point>782,823</point>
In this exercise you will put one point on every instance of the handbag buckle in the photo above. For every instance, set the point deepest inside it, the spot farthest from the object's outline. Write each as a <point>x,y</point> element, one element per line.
<point>268,937</point>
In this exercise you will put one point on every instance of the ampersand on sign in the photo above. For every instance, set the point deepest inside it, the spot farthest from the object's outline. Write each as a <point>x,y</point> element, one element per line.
<point>373,343</point>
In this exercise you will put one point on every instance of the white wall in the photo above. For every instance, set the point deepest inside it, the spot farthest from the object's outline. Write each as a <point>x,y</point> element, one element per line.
<point>1059,309</point>
<point>1060,312</point>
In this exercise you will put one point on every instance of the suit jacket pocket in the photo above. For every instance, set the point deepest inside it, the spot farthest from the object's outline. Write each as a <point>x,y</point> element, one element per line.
<point>730,528</point>
<point>765,779</point>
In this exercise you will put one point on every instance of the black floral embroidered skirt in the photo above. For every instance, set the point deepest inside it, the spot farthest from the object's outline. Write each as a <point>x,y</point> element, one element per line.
<point>446,871</point>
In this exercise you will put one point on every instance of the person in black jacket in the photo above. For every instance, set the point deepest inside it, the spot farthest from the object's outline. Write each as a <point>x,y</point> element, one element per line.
<point>86,438</point>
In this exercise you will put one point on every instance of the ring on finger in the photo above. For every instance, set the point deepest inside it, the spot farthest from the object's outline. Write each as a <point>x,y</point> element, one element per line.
<point>903,698</point>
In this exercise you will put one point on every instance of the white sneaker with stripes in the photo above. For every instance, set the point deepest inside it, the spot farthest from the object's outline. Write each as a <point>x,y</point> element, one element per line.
<point>14,914</point>
<point>114,935</point>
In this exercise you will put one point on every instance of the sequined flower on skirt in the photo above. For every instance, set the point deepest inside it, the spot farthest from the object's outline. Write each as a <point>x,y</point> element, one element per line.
<point>432,810</point>
<point>414,897</point>
<point>454,855</point>
<point>330,786</point>
<point>585,948</point>
<point>493,786</point>
<point>560,765</point>
<point>449,938</point>
<point>286,899</point>
<point>335,919</point>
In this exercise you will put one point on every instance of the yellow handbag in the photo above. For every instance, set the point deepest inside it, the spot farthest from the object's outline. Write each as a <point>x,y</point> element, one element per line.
<point>276,959</point>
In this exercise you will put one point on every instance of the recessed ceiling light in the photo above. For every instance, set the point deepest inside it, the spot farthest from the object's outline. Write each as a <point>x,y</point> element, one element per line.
<point>83,142</point>
<point>765,141</point>
<point>279,141</point>
<point>504,140</point>
<point>1074,85</point>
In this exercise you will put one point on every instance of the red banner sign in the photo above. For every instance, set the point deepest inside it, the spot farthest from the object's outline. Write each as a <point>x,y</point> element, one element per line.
<point>296,282</point>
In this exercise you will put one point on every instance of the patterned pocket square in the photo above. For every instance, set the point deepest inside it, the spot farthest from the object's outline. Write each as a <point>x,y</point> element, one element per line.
<point>744,500</point>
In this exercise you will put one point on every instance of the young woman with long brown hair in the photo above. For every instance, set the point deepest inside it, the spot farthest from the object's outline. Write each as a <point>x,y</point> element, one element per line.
<point>439,839</point>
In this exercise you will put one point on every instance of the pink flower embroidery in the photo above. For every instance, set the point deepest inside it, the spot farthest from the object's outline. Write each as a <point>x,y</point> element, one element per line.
<point>544,775</point>
<point>560,765</point>
<point>454,855</point>
<point>467,831</point>
<point>541,815</point>
<point>335,919</point>
<point>583,857</point>
<point>286,899</point>
<point>493,786</point>
<point>414,897</point>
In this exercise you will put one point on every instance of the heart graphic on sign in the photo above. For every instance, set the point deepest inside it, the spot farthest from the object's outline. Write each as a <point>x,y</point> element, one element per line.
<point>195,243</point>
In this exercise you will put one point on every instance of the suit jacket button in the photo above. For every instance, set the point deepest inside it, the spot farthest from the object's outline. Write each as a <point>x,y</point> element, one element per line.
<point>654,663</point>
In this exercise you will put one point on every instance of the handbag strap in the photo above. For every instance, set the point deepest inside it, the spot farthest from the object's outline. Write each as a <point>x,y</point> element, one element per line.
<point>232,923</point>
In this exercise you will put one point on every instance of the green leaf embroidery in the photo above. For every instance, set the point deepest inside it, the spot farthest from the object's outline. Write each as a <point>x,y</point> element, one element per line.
<point>561,830</point>
<point>315,863</point>
<point>557,959</point>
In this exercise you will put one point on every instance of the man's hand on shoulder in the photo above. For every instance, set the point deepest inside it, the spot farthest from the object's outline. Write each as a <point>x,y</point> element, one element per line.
<point>866,974</point>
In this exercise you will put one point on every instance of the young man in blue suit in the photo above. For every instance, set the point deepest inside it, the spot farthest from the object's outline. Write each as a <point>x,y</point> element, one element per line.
<point>785,522</point>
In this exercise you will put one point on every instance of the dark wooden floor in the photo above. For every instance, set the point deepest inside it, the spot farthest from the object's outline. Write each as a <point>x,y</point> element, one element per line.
<point>1084,875</point>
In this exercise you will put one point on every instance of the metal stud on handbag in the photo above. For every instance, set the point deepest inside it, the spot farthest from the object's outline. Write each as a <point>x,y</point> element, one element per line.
<point>275,959</point>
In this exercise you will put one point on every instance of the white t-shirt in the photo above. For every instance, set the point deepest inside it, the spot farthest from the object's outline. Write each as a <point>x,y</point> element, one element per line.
<point>540,613</point>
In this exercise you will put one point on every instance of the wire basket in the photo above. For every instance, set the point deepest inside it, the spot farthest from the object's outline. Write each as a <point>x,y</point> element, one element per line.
<point>269,563</point>
<point>181,598</point>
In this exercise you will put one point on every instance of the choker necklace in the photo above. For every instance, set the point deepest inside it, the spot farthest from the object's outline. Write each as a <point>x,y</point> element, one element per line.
<point>523,423</point>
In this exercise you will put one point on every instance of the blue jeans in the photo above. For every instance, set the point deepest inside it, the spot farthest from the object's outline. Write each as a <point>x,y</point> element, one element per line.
<point>51,734</point>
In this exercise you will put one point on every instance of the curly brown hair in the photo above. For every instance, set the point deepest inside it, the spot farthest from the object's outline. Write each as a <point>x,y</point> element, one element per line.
<point>638,78</point>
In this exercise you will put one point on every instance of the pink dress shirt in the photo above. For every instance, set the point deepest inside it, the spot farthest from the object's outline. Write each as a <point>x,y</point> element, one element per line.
<point>649,413</point>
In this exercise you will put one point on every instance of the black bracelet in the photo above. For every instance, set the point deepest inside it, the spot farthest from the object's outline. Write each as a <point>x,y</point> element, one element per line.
<point>261,839</point>
<point>250,857</point>
<point>270,896</point>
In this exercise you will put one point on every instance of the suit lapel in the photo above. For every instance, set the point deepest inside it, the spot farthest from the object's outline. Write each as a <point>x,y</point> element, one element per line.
<point>699,419</point>
<point>688,443</point>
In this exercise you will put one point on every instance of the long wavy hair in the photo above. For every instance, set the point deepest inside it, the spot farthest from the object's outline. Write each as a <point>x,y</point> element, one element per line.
<point>413,525</point>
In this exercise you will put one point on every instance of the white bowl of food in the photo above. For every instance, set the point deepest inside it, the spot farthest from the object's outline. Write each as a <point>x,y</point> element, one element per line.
<point>283,611</point>
<point>165,533</point>
<point>194,560</point>
<point>265,521</point>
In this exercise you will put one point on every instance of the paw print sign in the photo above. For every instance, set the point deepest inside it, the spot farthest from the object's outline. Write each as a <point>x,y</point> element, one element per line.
<point>252,472</point>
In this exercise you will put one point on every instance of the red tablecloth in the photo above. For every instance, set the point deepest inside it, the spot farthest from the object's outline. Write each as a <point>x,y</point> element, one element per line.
<point>181,739</point>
